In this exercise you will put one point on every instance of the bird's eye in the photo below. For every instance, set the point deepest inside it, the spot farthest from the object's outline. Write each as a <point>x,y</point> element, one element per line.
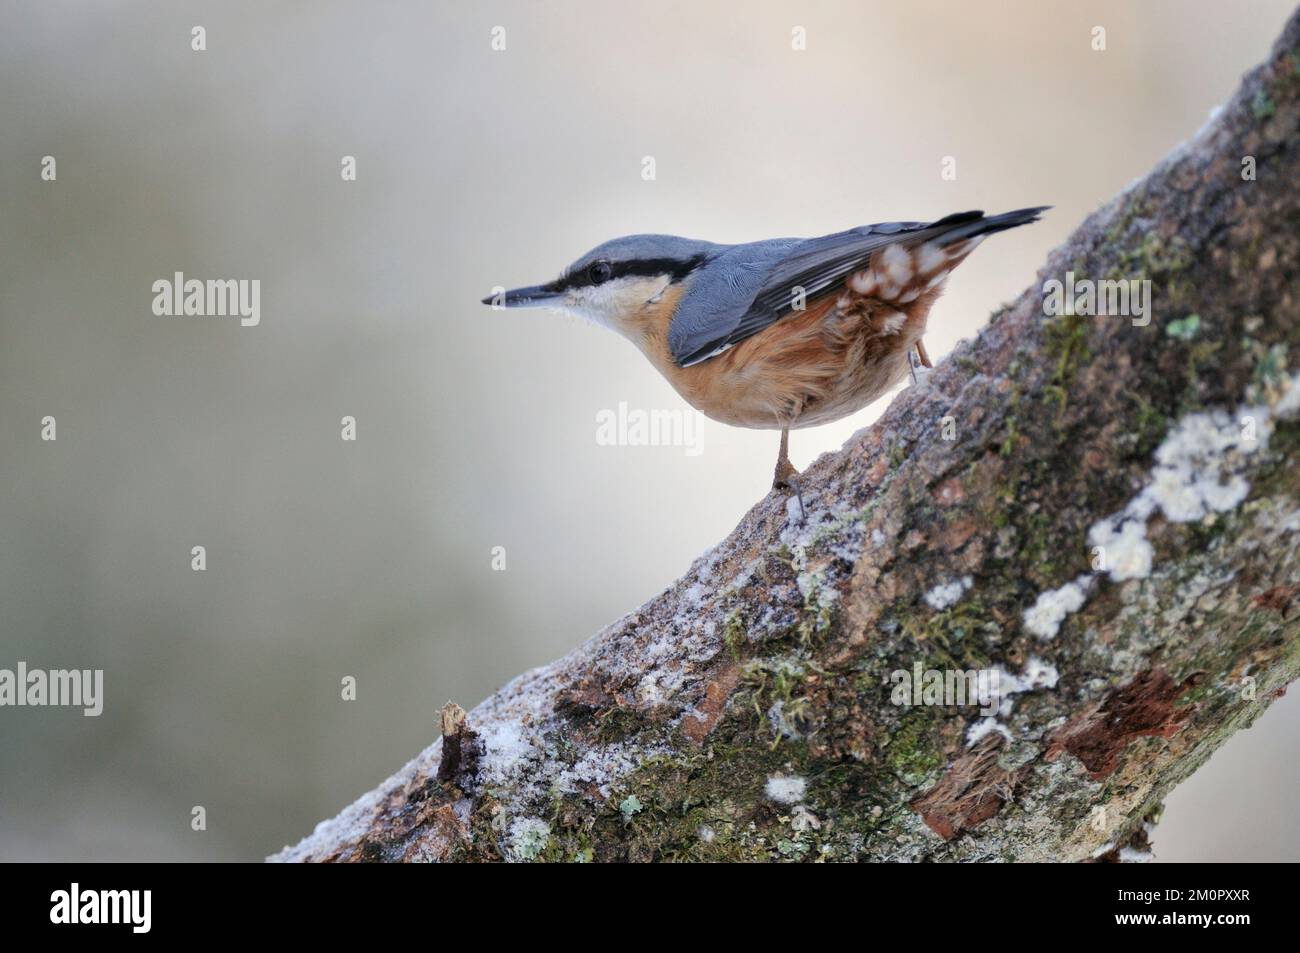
<point>599,272</point>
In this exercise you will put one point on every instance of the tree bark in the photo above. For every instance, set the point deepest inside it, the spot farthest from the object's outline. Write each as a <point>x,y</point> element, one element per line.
<point>1098,511</point>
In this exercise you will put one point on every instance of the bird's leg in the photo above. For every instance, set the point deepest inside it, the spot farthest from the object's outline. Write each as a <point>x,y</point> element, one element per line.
<point>786,476</point>
<point>917,355</point>
<point>785,471</point>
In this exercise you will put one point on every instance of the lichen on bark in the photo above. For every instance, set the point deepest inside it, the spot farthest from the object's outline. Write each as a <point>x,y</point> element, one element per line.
<point>746,712</point>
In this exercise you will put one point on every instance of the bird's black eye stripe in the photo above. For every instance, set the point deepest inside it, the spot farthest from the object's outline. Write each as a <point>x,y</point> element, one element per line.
<point>601,271</point>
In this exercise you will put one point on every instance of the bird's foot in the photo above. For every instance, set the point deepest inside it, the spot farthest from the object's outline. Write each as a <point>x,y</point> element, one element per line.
<point>920,369</point>
<point>786,477</point>
<point>921,353</point>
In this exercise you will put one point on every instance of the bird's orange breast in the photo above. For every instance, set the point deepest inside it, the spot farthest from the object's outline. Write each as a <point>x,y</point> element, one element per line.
<point>810,367</point>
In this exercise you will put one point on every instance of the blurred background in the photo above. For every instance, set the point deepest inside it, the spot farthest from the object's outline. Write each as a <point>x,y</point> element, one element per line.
<point>475,428</point>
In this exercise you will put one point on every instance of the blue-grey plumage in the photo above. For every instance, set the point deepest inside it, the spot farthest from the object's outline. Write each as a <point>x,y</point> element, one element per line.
<point>781,333</point>
<point>764,279</point>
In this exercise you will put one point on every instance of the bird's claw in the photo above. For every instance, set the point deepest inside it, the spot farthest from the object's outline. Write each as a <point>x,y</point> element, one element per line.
<point>788,479</point>
<point>798,495</point>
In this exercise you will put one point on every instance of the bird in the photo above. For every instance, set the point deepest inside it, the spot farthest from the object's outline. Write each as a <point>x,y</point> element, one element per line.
<point>778,334</point>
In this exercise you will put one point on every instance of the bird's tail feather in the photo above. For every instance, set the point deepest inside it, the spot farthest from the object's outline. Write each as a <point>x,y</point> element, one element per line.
<point>965,225</point>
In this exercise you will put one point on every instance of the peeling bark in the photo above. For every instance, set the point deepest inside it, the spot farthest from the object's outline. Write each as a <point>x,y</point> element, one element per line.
<point>1112,528</point>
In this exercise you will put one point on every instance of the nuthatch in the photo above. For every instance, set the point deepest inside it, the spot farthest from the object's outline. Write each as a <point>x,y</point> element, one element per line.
<point>789,332</point>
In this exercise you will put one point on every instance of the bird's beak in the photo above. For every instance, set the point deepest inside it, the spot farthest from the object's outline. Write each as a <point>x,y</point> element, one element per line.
<point>534,296</point>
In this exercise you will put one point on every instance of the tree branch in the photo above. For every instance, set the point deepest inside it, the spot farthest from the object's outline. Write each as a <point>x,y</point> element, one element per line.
<point>1101,512</point>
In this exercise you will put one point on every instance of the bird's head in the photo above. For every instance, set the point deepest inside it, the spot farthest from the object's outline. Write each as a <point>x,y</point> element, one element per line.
<point>619,284</point>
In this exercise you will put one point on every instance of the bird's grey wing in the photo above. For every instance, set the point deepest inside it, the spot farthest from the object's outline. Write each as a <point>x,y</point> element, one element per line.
<point>718,296</point>
<point>752,286</point>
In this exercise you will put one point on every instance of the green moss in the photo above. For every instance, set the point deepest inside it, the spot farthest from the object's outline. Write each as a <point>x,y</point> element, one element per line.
<point>1067,345</point>
<point>1149,427</point>
<point>767,682</point>
<point>911,750</point>
<point>710,804</point>
<point>1270,368</point>
<point>1262,105</point>
<point>1281,478</point>
<point>951,638</point>
<point>1038,546</point>
<point>618,723</point>
<point>816,617</point>
<point>1008,445</point>
<point>1058,394</point>
<point>791,848</point>
<point>1148,256</point>
<point>733,634</point>
<point>698,805</point>
<point>1198,355</point>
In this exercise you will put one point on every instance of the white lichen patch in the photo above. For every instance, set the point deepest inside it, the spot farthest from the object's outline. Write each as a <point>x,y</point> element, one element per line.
<point>785,789</point>
<point>815,592</point>
<point>1289,404</point>
<point>630,807</point>
<point>528,838</point>
<point>1198,465</point>
<point>803,820</point>
<point>984,727</point>
<point>1049,610</point>
<point>945,595</point>
<point>1105,848</point>
<point>1131,855</point>
<point>1037,674</point>
<point>1128,552</point>
<point>1200,470</point>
